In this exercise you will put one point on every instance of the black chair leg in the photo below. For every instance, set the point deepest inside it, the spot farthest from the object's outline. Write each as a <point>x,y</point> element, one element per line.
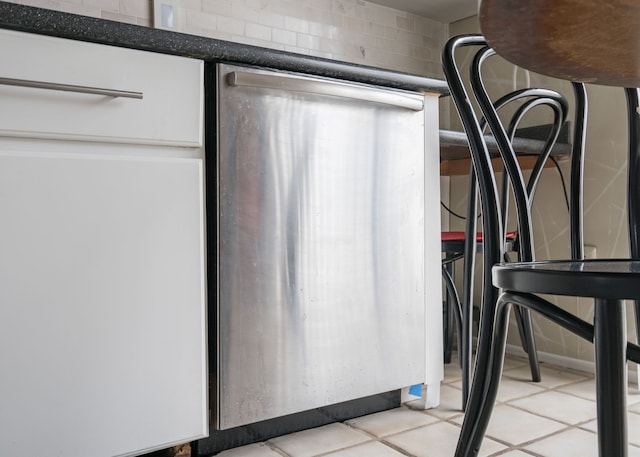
<point>448,316</point>
<point>470,248</point>
<point>485,387</point>
<point>525,327</point>
<point>465,351</point>
<point>610,342</point>
<point>464,344</point>
<point>633,184</point>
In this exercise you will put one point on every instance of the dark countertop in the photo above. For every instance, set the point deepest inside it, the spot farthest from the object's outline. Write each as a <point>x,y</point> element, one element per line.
<point>454,146</point>
<point>84,28</point>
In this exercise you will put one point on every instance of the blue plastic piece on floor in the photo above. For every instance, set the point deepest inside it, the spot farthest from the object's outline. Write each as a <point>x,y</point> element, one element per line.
<point>416,390</point>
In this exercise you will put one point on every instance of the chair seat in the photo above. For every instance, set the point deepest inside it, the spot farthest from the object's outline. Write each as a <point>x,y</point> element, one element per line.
<point>617,279</point>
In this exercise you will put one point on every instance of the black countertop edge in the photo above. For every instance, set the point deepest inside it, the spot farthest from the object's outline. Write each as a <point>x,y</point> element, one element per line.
<point>455,145</point>
<point>65,25</point>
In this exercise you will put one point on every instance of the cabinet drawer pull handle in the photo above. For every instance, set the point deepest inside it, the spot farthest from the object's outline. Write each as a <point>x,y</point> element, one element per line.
<point>70,88</point>
<point>328,87</point>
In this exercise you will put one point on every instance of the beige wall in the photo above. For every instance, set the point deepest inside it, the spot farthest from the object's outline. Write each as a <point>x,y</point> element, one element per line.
<point>354,31</point>
<point>605,194</point>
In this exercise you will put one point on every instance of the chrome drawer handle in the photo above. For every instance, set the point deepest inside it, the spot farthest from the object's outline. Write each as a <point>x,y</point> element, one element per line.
<point>70,88</point>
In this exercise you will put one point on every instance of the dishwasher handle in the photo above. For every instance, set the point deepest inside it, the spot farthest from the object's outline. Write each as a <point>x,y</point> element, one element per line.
<point>70,88</point>
<point>325,87</point>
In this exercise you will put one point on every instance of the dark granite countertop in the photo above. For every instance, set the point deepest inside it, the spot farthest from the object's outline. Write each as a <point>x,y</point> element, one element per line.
<point>73,26</point>
<point>454,145</point>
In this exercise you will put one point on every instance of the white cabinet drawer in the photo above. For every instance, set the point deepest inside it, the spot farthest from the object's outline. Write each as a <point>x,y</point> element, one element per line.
<point>169,112</point>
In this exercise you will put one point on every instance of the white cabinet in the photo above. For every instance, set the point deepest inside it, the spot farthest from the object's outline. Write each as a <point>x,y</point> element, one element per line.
<point>168,111</point>
<point>102,281</point>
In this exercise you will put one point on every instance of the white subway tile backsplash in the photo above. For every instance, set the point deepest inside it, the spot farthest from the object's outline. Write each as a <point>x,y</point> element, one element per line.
<point>201,21</point>
<point>258,32</point>
<point>285,37</point>
<point>296,25</point>
<point>83,10</point>
<point>345,8</point>
<point>240,11</point>
<point>319,29</point>
<point>406,23</point>
<point>48,4</point>
<point>195,5</point>
<point>221,7</point>
<point>386,16</point>
<point>258,42</point>
<point>119,17</point>
<point>144,22</point>
<point>112,6</point>
<point>354,31</point>
<point>271,19</point>
<point>136,8</point>
<point>308,41</point>
<point>230,25</point>
<point>297,50</point>
<point>354,24</point>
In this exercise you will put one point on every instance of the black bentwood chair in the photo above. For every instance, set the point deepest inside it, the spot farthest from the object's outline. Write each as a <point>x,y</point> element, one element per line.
<point>532,42</point>
<point>456,245</point>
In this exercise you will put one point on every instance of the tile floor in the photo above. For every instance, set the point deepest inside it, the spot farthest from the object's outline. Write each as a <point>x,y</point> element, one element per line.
<point>553,418</point>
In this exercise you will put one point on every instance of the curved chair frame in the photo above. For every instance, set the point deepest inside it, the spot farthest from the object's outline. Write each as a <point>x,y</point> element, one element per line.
<point>529,98</point>
<point>524,191</point>
<point>609,282</point>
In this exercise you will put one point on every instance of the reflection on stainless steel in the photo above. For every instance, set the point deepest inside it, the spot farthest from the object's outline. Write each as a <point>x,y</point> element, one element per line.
<point>321,295</point>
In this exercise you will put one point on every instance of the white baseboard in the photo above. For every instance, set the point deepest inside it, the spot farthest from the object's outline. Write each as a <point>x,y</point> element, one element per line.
<point>569,362</point>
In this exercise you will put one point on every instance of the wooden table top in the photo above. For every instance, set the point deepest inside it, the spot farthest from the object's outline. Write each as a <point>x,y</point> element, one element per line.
<point>592,41</point>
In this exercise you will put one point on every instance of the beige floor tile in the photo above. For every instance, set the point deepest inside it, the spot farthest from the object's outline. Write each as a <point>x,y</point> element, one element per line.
<point>450,403</point>
<point>515,453</point>
<point>633,428</point>
<point>512,361</point>
<point>633,394</point>
<point>572,443</point>
<point>319,440</point>
<point>437,440</point>
<point>634,408</point>
<point>587,389</point>
<point>511,388</point>
<point>252,450</point>
<point>370,449</point>
<point>558,406</point>
<point>514,426</point>
<point>552,377</point>
<point>392,421</point>
<point>452,371</point>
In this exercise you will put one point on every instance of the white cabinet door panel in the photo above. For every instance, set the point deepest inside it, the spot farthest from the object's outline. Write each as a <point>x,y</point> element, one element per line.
<point>102,338</point>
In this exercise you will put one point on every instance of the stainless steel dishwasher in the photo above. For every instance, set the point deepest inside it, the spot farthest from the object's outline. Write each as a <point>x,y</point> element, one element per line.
<point>320,283</point>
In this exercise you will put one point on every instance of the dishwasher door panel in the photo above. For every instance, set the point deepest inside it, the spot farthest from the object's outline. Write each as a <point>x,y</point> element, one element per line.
<point>320,251</point>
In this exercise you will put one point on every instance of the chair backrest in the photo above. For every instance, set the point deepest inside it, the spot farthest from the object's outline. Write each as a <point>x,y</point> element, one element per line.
<point>503,131</point>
